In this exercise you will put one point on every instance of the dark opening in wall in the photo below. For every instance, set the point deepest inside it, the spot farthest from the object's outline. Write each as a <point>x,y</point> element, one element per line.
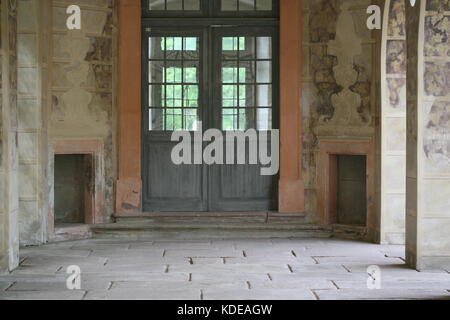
<point>73,189</point>
<point>351,190</point>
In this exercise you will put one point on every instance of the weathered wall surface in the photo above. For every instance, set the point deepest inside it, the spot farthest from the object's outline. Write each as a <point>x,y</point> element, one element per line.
<point>437,88</point>
<point>9,203</point>
<point>393,125</point>
<point>428,140</point>
<point>337,101</point>
<point>83,95</point>
<point>33,48</point>
<point>436,136</point>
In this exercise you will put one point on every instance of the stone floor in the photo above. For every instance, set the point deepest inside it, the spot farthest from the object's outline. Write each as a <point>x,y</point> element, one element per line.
<point>305,269</point>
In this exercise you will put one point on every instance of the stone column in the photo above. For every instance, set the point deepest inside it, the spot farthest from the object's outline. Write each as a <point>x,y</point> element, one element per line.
<point>129,184</point>
<point>291,189</point>
<point>9,203</point>
<point>33,24</point>
<point>428,136</point>
<point>392,126</point>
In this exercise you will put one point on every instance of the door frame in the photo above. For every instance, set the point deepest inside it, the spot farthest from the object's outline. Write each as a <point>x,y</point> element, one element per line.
<point>209,109</point>
<point>216,203</point>
<point>129,183</point>
<point>167,29</point>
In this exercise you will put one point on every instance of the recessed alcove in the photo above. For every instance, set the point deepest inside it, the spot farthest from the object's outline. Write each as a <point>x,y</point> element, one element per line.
<point>346,183</point>
<point>76,200</point>
<point>73,189</point>
<point>351,194</point>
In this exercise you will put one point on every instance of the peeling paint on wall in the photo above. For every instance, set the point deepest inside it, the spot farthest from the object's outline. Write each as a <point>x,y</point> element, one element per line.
<point>82,95</point>
<point>337,94</point>
<point>437,88</point>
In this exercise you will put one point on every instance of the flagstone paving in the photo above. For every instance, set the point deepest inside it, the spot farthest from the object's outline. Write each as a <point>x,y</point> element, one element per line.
<point>299,269</point>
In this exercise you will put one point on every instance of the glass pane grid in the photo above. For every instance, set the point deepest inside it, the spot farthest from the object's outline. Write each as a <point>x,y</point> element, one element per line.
<point>174,5</point>
<point>246,83</point>
<point>217,8</point>
<point>173,83</point>
<point>246,5</point>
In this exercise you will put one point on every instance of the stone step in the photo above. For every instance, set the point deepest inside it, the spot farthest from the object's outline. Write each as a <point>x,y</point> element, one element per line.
<point>67,232</point>
<point>214,217</point>
<point>190,230</point>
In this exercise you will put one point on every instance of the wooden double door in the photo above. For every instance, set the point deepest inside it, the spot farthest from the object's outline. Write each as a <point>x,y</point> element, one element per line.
<point>197,78</point>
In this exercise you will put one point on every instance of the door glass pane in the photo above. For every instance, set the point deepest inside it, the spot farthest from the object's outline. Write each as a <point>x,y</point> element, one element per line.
<point>191,117</point>
<point>156,71</point>
<point>174,5</point>
<point>156,48</point>
<point>157,5</point>
<point>247,94</point>
<point>156,93</point>
<point>233,43</point>
<point>171,44</point>
<point>190,44</point>
<point>264,48</point>
<point>230,119</point>
<point>173,119</point>
<point>246,5</point>
<point>186,7</point>
<point>264,119</point>
<point>263,71</point>
<point>156,119</point>
<point>247,71</point>
<point>264,95</point>
<point>229,5</point>
<point>190,96</point>
<point>174,83</point>
<point>230,72</point>
<point>173,72</point>
<point>247,119</point>
<point>241,119</point>
<point>230,95</point>
<point>248,49</point>
<point>174,95</point>
<point>191,5</point>
<point>263,5</point>
<point>191,72</point>
<point>246,83</point>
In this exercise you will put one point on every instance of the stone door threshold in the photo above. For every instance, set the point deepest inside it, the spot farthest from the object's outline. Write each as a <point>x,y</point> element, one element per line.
<point>66,232</point>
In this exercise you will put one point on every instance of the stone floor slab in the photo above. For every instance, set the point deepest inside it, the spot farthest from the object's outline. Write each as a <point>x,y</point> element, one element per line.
<point>4,285</point>
<point>62,252</point>
<point>144,294</point>
<point>57,285</point>
<point>231,268</point>
<point>259,294</point>
<point>203,253</point>
<point>312,284</point>
<point>405,284</point>
<point>360,260</point>
<point>215,278</point>
<point>383,294</point>
<point>300,269</point>
<point>43,295</point>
